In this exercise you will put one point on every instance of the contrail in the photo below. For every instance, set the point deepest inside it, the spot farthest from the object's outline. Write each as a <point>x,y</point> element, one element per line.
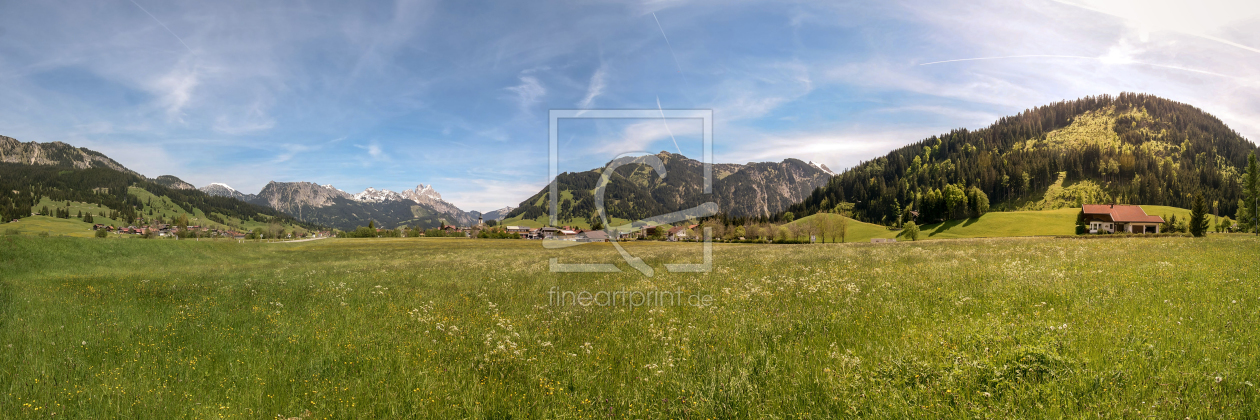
<point>155,19</point>
<point>1081,57</point>
<point>667,44</point>
<point>1129,19</point>
<point>663,120</point>
<point>1010,56</point>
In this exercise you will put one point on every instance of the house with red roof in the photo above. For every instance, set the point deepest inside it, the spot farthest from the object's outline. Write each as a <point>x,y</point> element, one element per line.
<point>1112,218</point>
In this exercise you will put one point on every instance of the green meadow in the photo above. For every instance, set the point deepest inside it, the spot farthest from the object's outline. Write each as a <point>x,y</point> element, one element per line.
<point>49,226</point>
<point>464,328</point>
<point>1005,224</point>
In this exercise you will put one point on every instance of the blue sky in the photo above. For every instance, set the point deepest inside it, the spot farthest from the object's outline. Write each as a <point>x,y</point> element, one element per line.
<point>456,94</point>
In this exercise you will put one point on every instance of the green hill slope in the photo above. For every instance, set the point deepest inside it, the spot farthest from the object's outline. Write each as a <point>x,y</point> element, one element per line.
<point>1022,223</point>
<point>1006,224</point>
<point>857,231</point>
<point>1130,149</point>
<point>122,198</point>
<point>52,226</point>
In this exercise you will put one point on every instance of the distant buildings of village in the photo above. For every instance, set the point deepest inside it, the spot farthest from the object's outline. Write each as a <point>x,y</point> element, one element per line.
<point>169,230</point>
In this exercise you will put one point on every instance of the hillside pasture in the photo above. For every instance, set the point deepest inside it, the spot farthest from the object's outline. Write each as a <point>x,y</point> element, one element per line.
<point>53,226</point>
<point>856,232</point>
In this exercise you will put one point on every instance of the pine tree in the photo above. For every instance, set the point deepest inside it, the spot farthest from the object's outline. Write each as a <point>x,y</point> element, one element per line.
<point>1251,192</point>
<point>1198,217</point>
<point>1240,216</point>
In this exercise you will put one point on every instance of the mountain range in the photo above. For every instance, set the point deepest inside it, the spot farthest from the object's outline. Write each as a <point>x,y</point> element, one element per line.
<point>749,189</point>
<point>1131,148</point>
<point>56,154</point>
<point>330,206</point>
<point>635,191</point>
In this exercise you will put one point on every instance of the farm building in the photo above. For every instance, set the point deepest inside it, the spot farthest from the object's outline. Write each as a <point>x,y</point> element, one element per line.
<point>1112,218</point>
<point>593,236</point>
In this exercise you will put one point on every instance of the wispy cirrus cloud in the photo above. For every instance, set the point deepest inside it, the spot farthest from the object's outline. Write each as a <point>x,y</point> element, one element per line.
<point>527,93</point>
<point>220,91</point>
<point>595,87</point>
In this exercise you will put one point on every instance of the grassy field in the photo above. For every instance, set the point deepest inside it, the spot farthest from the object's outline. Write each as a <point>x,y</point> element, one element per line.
<point>1006,224</point>
<point>36,225</point>
<point>1023,223</point>
<point>459,328</point>
<point>857,231</point>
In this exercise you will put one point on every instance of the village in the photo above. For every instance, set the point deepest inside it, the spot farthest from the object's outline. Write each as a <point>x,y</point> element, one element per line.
<point>1093,219</point>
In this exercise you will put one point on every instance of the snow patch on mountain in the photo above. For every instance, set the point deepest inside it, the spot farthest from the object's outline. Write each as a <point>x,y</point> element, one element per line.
<point>373,195</point>
<point>822,167</point>
<point>225,186</point>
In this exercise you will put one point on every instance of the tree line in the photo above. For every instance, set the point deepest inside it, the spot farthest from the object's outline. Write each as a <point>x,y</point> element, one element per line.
<point>22,186</point>
<point>1205,158</point>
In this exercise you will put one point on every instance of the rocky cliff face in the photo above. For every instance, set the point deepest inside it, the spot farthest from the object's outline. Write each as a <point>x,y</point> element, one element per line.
<point>330,206</point>
<point>55,153</point>
<point>289,197</point>
<point>636,192</point>
<point>762,189</point>
<point>426,195</point>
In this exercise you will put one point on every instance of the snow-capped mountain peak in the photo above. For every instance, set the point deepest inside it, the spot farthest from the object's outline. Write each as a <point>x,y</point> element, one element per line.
<point>821,167</point>
<point>228,187</point>
<point>426,191</point>
<point>224,190</point>
<point>377,196</point>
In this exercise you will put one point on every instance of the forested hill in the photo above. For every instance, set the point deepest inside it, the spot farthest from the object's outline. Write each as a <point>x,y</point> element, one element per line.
<point>23,185</point>
<point>1131,148</point>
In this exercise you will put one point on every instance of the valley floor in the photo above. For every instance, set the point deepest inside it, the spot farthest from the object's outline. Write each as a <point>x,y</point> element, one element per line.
<point>458,328</point>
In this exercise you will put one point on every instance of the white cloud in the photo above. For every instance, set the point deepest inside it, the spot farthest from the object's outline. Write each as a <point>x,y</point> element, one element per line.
<point>595,88</point>
<point>838,149</point>
<point>290,151</point>
<point>1201,18</point>
<point>175,90</point>
<point>761,91</point>
<point>528,93</point>
<point>374,151</point>
<point>490,194</point>
<point>639,136</point>
<point>253,119</point>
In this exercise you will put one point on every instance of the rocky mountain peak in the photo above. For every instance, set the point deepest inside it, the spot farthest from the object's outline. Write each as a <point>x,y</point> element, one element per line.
<point>374,195</point>
<point>822,167</point>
